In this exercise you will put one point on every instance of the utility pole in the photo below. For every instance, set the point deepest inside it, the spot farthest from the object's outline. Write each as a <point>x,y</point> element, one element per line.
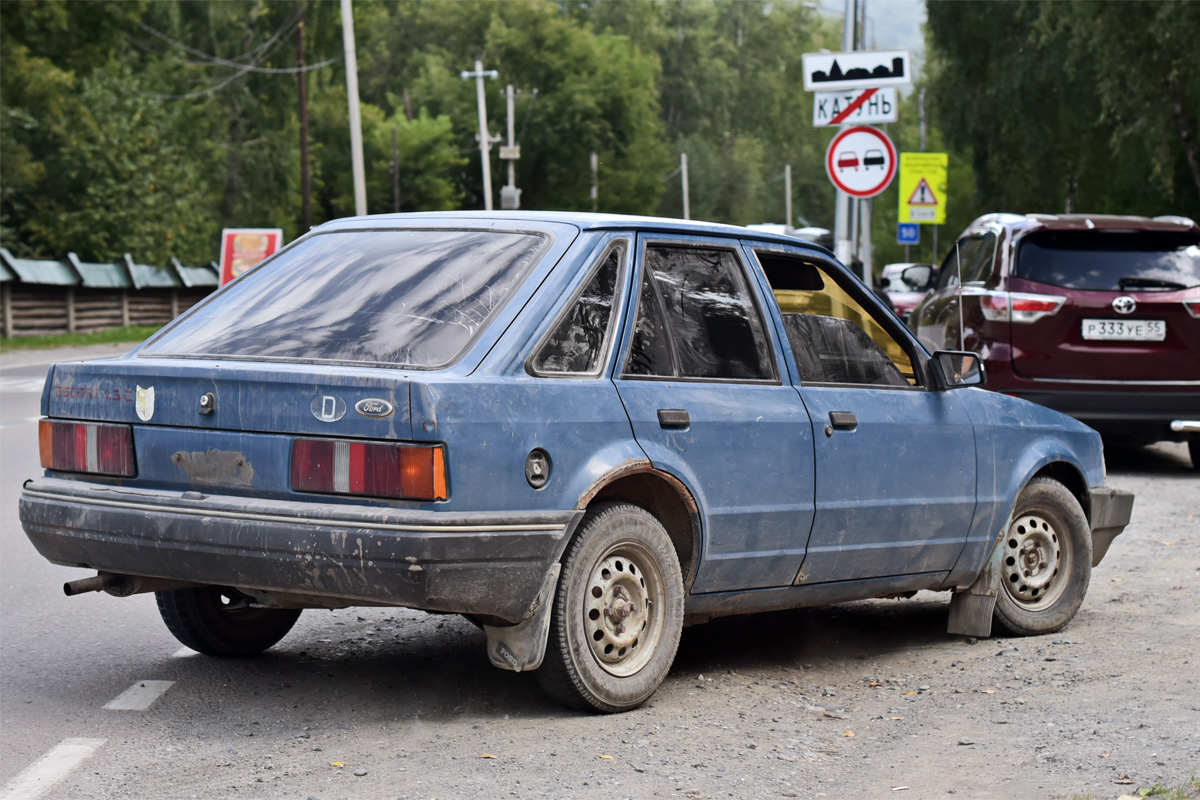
<point>510,195</point>
<point>687,209</point>
<point>302,97</point>
<point>485,141</point>
<point>842,242</point>
<point>356,143</point>
<point>787,198</point>
<point>595,161</point>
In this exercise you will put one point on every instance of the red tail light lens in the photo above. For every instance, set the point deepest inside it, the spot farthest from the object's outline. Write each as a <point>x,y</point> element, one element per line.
<point>1193,307</point>
<point>1019,306</point>
<point>371,469</point>
<point>93,447</point>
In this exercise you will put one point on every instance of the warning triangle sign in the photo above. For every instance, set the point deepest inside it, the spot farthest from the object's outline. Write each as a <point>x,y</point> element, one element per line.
<point>922,195</point>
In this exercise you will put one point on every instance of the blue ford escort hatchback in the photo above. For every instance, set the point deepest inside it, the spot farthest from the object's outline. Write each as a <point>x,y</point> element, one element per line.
<point>579,431</point>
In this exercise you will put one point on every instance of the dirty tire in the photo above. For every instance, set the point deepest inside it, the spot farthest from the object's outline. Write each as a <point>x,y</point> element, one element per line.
<point>618,612</point>
<point>203,620</point>
<point>1046,563</point>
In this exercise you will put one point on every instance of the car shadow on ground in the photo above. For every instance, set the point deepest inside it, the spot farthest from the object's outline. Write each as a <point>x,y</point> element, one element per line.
<point>1156,459</point>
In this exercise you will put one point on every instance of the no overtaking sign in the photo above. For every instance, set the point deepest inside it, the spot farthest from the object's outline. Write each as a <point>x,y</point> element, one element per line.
<point>861,161</point>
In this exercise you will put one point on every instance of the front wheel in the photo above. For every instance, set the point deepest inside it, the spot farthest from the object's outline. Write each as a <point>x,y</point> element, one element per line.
<point>618,612</point>
<point>219,621</point>
<point>1047,561</point>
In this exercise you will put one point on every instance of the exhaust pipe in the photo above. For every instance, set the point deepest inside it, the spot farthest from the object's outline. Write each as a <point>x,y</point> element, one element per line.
<point>123,585</point>
<point>102,581</point>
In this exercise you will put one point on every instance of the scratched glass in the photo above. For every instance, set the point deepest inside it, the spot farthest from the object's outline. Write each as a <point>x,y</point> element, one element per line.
<point>408,298</point>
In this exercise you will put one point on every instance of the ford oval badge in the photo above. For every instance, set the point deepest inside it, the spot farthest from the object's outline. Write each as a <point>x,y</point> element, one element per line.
<point>373,407</point>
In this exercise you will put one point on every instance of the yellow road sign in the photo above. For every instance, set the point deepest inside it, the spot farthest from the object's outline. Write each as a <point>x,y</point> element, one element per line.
<point>923,188</point>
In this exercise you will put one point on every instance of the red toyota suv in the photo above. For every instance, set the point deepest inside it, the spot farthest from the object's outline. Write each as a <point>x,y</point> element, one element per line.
<point>1095,316</point>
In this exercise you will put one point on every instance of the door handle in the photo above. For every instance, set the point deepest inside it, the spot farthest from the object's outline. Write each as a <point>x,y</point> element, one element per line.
<point>842,421</point>
<point>673,418</point>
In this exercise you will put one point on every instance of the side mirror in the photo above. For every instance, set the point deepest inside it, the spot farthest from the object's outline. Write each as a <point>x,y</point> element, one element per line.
<point>885,283</point>
<point>954,369</point>
<point>918,276</point>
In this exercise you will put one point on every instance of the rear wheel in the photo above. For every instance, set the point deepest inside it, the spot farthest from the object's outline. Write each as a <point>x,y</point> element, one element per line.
<point>1194,451</point>
<point>1047,562</point>
<point>618,612</point>
<point>219,621</point>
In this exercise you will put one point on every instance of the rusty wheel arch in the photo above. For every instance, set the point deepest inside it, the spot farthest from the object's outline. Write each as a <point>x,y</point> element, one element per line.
<point>664,496</point>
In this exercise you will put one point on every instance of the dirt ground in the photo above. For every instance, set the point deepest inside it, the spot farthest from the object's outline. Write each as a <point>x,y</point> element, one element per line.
<point>862,700</point>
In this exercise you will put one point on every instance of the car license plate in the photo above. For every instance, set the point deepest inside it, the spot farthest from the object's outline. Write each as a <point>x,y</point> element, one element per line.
<point>1129,330</point>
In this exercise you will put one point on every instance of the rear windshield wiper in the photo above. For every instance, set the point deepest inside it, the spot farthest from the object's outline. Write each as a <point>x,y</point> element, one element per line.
<point>1133,281</point>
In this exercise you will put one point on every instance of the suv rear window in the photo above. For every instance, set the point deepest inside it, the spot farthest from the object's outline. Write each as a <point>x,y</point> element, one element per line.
<point>1118,262</point>
<point>410,298</point>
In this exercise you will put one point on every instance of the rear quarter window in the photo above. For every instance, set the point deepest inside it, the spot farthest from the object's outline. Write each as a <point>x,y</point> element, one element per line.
<point>407,298</point>
<point>1117,262</point>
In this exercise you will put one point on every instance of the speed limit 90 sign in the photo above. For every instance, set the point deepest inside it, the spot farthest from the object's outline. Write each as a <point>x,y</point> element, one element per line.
<point>861,161</point>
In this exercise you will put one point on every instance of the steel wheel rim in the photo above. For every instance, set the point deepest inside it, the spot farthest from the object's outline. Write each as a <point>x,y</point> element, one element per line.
<point>622,619</point>
<point>1037,562</point>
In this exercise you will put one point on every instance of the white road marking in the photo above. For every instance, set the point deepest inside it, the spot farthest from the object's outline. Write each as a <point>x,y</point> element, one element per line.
<point>22,384</point>
<point>140,696</point>
<point>184,652</point>
<point>39,777</point>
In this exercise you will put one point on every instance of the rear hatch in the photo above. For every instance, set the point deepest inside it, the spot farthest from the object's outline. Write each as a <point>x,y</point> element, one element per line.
<point>1128,305</point>
<point>228,427</point>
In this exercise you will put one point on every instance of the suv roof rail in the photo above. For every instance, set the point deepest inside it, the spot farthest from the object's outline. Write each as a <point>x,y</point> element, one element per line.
<point>1176,219</point>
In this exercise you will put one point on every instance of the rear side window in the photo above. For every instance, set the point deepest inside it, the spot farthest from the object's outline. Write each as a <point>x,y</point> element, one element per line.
<point>696,318</point>
<point>407,298</point>
<point>971,258</point>
<point>579,339</point>
<point>1117,262</point>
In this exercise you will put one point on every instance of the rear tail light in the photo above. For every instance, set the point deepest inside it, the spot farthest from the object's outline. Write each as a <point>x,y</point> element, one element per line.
<point>372,469</point>
<point>1019,306</point>
<point>93,447</point>
<point>1193,307</point>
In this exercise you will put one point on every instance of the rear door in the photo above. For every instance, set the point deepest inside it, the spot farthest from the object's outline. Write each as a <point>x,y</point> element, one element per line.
<point>702,382</point>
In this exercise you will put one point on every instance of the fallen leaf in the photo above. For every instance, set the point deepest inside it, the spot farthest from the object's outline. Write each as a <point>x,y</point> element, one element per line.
<point>1118,580</point>
<point>848,734</point>
<point>895,717</point>
<point>1168,544</point>
<point>488,755</point>
<point>988,691</point>
<point>337,763</point>
<point>910,692</point>
<point>874,683</point>
<point>610,758</point>
<point>1105,755</point>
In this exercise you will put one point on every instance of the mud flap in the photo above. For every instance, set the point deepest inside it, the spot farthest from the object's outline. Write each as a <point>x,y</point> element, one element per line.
<point>971,608</point>
<point>522,646</point>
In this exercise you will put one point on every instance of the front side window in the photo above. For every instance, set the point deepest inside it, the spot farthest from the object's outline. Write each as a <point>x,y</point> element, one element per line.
<point>696,318</point>
<point>578,340</point>
<point>834,338</point>
<point>404,298</point>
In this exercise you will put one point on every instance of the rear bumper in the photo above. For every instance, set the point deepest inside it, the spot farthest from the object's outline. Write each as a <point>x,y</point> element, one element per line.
<point>468,563</point>
<point>1111,510</point>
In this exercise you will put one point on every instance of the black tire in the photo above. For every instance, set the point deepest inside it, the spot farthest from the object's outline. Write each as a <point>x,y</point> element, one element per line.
<point>1047,561</point>
<point>618,612</point>
<point>216,621</point>
<point>1194,451</point>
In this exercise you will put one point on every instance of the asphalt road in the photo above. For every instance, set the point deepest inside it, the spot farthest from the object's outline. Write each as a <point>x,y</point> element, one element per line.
<point>861,700</point>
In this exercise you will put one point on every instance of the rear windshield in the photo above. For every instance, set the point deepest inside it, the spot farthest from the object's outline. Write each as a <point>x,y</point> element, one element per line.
<point>1118,262</point>
<point>410,298</point>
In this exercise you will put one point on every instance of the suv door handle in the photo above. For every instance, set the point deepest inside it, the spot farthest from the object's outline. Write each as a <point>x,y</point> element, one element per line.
<point>673,418</point>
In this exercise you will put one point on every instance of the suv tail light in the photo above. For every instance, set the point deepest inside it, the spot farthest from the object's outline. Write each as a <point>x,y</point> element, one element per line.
<point>93,447</point>
<point>1193,307</point>
<point>1019,306</point>
<point>373,469</point>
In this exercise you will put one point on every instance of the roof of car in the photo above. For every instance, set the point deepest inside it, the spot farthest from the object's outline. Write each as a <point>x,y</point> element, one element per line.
<point>1026,223</point>
<point>582,220</point>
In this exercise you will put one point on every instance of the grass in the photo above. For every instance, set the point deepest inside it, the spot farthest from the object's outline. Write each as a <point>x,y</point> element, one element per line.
<point>1190,790</point>
<point>132,333</point>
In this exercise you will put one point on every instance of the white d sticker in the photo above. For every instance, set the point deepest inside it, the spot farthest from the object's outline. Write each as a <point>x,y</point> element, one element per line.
<point>145,403</point>
<point>328,408</point>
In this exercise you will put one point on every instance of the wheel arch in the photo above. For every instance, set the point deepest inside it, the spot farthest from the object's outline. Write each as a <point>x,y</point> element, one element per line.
<point>664,496</point>
<point>1070,477</point>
